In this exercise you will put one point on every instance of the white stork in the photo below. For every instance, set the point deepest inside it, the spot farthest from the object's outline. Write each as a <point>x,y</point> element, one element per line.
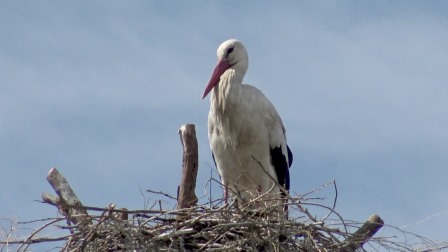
<point>246,134</point>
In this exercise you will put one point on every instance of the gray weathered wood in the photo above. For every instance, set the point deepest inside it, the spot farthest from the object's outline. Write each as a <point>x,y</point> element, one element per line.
<point>186,192</point>
<point>67,202</point>
<point>363,234</point>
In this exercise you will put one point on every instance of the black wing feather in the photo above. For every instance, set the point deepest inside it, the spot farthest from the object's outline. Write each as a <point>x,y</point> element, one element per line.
<point>282,169</point>
<point>281,165</point>
<point>289,156</point>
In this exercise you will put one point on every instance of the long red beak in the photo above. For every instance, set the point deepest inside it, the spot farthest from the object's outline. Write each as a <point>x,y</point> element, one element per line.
<point>220,68</point>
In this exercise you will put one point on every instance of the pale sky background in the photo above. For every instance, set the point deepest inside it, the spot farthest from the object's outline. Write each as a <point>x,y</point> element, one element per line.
<point>99,90</point>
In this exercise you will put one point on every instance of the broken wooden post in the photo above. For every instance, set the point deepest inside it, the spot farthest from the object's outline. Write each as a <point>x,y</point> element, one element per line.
<point>186,196</point>
<point>363,234</point>
<point>67,202</point>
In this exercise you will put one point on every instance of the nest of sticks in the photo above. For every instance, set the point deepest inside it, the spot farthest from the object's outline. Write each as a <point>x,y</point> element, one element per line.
<point>205,228</point>
<point>215,226</point>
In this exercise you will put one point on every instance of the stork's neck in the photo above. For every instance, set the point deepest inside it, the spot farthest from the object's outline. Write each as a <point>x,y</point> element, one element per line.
<point>228,92</point>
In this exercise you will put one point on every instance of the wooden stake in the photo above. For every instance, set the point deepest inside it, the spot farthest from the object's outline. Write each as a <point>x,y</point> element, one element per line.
<point>364,234</point>
<point>68,203</point>
<point>186,196</point>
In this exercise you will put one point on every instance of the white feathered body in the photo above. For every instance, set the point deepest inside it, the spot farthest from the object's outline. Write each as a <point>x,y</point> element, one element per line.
<point>243,126</point>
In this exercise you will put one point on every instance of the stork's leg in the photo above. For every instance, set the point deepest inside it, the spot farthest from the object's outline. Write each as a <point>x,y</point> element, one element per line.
<point>259,189</point>
<point>226,194</point>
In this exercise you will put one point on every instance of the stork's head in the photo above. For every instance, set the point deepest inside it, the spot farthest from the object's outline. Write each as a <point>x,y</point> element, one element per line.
<point>231,54</point>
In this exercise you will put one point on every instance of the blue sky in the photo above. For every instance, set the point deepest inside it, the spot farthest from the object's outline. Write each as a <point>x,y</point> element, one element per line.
<point>99,90</point>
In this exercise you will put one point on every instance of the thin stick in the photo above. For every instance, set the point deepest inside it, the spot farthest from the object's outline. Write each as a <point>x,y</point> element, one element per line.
<point>161,193</point>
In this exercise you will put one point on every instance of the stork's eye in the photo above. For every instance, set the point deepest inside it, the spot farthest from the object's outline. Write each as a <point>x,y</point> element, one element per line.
<point>229,51</point>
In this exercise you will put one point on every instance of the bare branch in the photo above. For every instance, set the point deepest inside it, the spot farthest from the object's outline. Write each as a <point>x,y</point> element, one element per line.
<point>67,197</point>
<point>364,233</point>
